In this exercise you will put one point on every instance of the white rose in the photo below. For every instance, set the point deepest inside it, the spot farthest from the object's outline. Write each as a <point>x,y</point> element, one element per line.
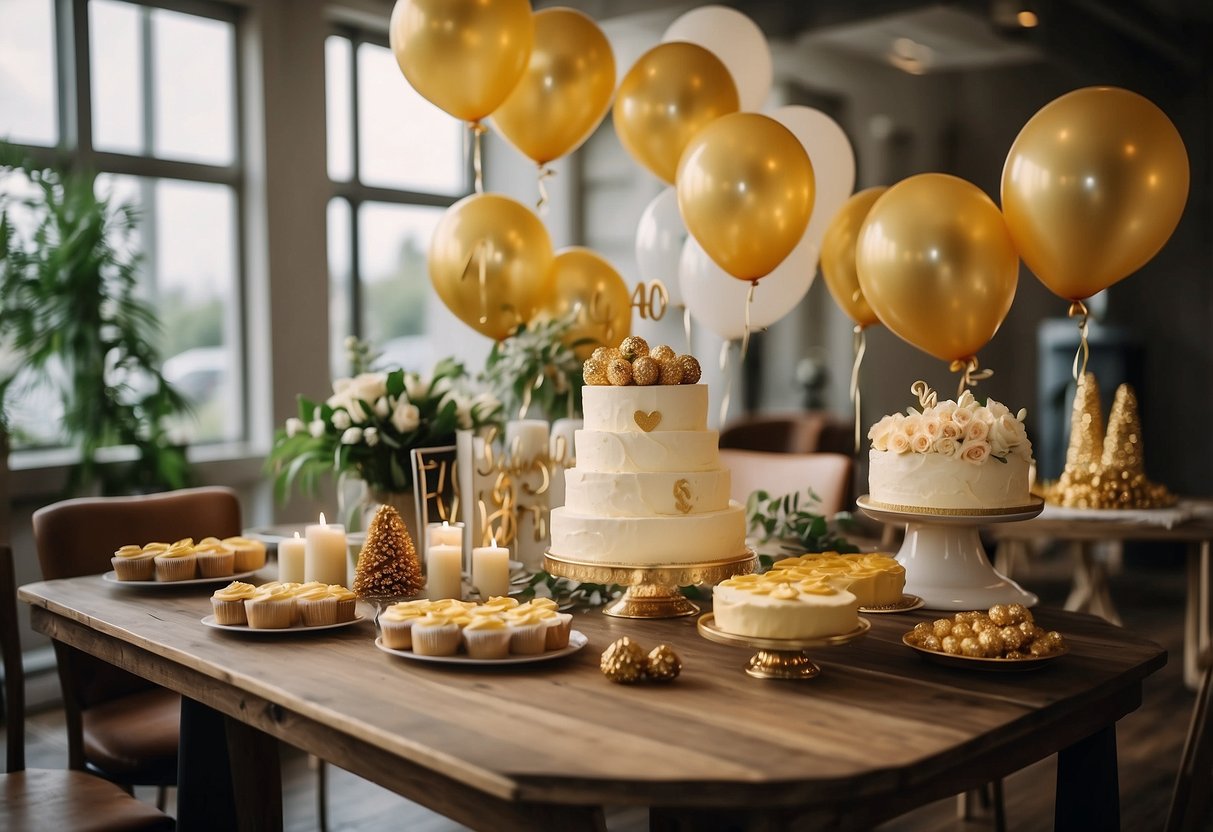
<point>932,426</point>
<point>352,436</point>
<point>463,407</point>
<point>415,387</point>
<point>920,443</point>
<point>911,425</point>
<point>1004,433</point>
<point>950,430</point>
<point>341,419</point>
<point>349,393</point>
<point>295,426</point>
<point>946,446</point>
<point>880,441</point>
<point>944,410</point>
<point>371,436</point>
<point>899,443</point>
<point>975,451</point>
<point>962,417</point>
<point>440,386</point>
<point>966,400</point>
<point>485,403</point>
<point>406,417</point>
<point>382,408</point>
<point>883,426</point>
<point>977,431</point>
<point>316,428</point>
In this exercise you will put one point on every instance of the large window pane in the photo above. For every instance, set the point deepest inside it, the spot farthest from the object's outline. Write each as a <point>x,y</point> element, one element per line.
<point>115,45</point>
<point>340,268</point>
<point>28,100</point>
<point>339,108</point>
<point>404,141</point>
<point>392,245</point>
<point>194,101</point>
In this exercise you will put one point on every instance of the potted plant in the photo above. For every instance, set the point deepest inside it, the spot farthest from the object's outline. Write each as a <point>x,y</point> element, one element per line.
<point>71,317</point>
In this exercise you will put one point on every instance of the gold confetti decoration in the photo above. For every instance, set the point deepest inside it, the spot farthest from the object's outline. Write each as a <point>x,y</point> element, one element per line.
<point>624,662</point>
<point>645,371</point>
<point>691,371</point>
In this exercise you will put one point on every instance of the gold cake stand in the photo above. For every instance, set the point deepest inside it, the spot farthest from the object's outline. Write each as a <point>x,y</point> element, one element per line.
<point>652,591</point>
<point>780,658</point>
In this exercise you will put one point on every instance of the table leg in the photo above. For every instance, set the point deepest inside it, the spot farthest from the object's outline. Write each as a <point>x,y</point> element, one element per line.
<point>1196,615</point>
<point>257,778</point>
<point>1088,787</point>
<point>204,783</point>
<point>1090,591</point>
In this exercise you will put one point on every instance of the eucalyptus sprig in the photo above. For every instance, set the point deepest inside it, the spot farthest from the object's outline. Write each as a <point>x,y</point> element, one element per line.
<point>567,593</point>
<point>801,529</point>
<point>536,370</point>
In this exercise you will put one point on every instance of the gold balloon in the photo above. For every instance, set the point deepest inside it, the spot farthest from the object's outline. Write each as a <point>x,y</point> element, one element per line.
<point>503,240</point>
<point>565,90</point>
<point>672,92</point>
<point>745,191</point>
<point>937,265</point>
<point>838,256</point>
<point>584,281</point>
<point>1093,187</point>
<point>463,55</point>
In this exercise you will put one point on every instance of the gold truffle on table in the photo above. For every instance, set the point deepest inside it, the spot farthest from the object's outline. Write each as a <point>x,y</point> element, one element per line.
<point>1005,631</point>
<point>624,662</point>
<point>663,664</point>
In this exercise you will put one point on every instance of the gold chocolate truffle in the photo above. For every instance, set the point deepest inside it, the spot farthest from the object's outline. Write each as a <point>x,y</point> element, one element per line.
<point>594,371</point>
<point>663,664</point>
<point>623,662</point>
<point>634,347</point>
<point>663,352</point>
<point>691,371</point>
<point>671,371</point>
<point>645,371</point>
<point>619,372</point>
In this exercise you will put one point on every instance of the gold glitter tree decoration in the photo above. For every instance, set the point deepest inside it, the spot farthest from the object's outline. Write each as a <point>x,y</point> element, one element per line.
<point>387,565</point>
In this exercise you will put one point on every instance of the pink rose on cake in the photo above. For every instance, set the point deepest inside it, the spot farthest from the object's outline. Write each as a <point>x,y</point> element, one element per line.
<point>947,446</point>
<point>965,428</point>
<point>978,430</point>
<point>975,451</point>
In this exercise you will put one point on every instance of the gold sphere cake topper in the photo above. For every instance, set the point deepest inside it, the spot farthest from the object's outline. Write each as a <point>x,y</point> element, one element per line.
<point>624,662</point>
<point>632,362</point>
<point>1106,470</point>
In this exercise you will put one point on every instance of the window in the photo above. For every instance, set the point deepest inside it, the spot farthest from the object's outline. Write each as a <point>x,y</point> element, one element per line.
<point>155,117</point>
<point>396,162</point>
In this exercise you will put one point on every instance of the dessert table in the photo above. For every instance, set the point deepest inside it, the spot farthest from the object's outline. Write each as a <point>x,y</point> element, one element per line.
<point>545,746</point>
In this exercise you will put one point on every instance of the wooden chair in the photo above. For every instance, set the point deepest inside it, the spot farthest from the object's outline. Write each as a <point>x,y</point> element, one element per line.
<point>118,725</point>
<point>1190,801</point>
<point>40,799</point>
<point>828,475</point>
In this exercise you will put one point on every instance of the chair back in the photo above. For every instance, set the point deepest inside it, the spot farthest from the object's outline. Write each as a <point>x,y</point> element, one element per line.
<point>808,432</point>
<point>14,672</point>
<point>828,475</point>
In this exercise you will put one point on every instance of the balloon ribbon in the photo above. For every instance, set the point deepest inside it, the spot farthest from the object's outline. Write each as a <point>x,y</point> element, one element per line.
<point>544,173</point>
<point>478,130</point>
<point>1078,309</point>
<point>728,381</point>
<point>477,253</point>
<point>969,374</point>
<point>745,336</point>
<point>686,325</point>
<point>860,347</point>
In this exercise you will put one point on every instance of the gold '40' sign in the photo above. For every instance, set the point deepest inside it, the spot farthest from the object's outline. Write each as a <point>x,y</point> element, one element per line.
<point>650,300</point>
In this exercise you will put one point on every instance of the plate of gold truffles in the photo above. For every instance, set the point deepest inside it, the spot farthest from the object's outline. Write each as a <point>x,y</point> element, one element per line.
<point>1003,638</point>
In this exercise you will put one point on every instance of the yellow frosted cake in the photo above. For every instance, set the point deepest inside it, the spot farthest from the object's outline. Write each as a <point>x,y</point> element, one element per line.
<point>765,606</point>
<point>876,580</point>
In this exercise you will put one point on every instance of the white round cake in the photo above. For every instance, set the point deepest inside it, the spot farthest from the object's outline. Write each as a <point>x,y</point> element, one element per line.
<point>954,455</point>
<point>764,606</point>
<point>648,489</point>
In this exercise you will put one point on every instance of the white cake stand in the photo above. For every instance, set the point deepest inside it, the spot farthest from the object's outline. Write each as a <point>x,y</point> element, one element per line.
<point>945,562</point>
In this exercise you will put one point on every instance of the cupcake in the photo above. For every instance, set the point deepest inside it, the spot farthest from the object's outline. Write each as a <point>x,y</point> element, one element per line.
<point>528,632</point>
<point>396,624</point>
<point>177,563</point>
<point>132,563</point>
<point>214,559</point>
<point>317,606</point>
<point>250,554</point>
<point>228,603</point>
<point>272,609</point>
<point>436,634</point>
<point>487,637</point>
<point>541,604</point>
<point>500,603</point>
<point>560,624</point>
<point>347,602</point>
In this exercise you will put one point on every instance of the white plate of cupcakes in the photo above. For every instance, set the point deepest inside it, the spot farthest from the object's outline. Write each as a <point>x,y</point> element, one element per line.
<point>278,607</point>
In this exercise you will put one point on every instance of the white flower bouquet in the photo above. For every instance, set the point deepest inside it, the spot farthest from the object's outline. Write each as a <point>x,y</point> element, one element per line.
<point>965,429</point>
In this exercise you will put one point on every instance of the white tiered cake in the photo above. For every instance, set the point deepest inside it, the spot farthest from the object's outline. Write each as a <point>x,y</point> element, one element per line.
<point>648,488</point>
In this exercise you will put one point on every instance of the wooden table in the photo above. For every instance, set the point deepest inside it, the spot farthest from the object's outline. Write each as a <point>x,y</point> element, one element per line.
<point>545,746</point>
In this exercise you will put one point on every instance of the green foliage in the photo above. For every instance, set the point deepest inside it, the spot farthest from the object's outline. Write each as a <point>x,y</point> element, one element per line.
<point>784,518</point>
<point>567,593</point>
<point>70,311</point>
<point>536,370</point>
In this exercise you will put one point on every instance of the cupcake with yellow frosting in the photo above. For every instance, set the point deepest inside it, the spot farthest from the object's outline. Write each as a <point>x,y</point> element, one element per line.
<point>249,554</point>
<point>499,603</point>
<point>178,562</point>
<point>396,623</point>
<point>487,637</point>
<point>228,603</point>
<point>347,602</point>
<point>132,563</point>
<point>528,630</point>
<point>215,560</point>
<point>559,624</point>
<point>271,608</point>
<point>317,606</point>
<point>437,633</point>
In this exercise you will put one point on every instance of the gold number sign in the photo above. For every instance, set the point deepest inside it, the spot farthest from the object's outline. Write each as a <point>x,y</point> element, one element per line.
<point>650,300</point>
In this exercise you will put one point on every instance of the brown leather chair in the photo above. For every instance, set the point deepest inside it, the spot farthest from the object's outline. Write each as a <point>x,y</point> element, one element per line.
<point>119,725</point>
<point>807,432</point>
<point>40,799</point>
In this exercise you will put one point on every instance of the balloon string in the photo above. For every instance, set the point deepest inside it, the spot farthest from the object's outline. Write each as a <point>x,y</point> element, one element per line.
<point>477,253</point>
<point>728,381</point>
<point>860,347</point>
<point>969,373</point>
<point>544,173</point>
<point>686,325</point>
<point>478,130</point>
<point>1078,309</point>
<point>745,336</point>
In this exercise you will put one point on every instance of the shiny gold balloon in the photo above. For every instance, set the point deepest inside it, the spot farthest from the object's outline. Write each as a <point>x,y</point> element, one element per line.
<point>936,264</point>
<point>745,191</point>
<point>1092,188</point>
<point>463,55</point>
<point>584,281</point>
<point>565,90</point>
<point>671,93</point>
<point>491,263</point>
<point>838,256</point>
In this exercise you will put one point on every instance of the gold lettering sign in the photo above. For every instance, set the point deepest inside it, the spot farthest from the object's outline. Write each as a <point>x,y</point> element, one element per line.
<point>436,483</point>
<point>515,483</point>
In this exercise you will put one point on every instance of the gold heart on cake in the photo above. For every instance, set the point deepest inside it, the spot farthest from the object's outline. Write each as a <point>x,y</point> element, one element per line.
<point>647,421</point>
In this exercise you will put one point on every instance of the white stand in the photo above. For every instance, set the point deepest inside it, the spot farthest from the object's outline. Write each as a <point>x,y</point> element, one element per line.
<point>945,562</point>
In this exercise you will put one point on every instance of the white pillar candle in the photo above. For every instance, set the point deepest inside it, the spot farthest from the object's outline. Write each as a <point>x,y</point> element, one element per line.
<point>326,555</point>
<point>491,570</point>
<point>444,572</point>
<point>445,534</point>
<point>526,440</point>
<point>563,455</point>
<point>290,559</point>
<point>475,483</point>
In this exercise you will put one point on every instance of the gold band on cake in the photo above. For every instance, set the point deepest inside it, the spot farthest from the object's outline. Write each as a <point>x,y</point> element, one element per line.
<point>951,512</point>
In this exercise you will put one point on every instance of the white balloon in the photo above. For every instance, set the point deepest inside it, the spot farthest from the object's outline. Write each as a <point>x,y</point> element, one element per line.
<point>833,161</point>
<point>717,301</point>
<point>739,44</point>
<point>659,238</point>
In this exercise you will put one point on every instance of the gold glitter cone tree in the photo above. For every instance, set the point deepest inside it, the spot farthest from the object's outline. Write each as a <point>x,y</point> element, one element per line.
<point>1084,454</point>
<point>388,565</point>
<point>1123,482</point>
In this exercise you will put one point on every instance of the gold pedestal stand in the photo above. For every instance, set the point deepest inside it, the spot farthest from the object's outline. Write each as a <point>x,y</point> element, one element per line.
<point>652,590</point>
<point>779,658</point>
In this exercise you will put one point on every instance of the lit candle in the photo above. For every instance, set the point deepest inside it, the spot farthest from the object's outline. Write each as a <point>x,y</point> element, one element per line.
<point>491,570</point>
<point>290,559</point>
<point>444,572</point>
<point>326,556</point>
<point>445,534</point>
